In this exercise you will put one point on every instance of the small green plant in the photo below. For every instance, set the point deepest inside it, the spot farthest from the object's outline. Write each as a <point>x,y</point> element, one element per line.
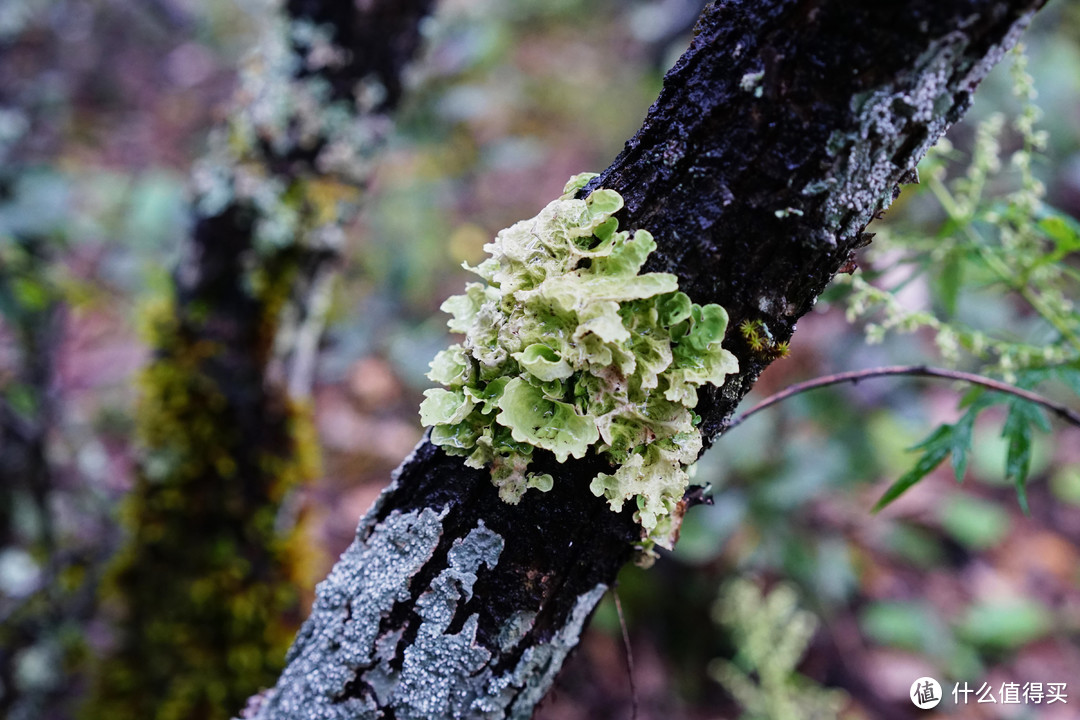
<point>992,243</point>
<point>569,349</point>
<point>771,634</point>
<point>761,341</point>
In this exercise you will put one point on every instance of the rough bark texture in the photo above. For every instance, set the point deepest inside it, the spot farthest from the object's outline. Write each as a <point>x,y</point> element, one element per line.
<point>781,133</point>
<point>777,137</point>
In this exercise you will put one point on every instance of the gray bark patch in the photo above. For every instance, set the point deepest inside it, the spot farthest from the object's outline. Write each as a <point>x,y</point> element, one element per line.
<point>343,663</point>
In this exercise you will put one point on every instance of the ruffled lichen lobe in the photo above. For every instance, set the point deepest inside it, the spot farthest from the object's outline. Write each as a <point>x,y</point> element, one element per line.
<point>569,348</point>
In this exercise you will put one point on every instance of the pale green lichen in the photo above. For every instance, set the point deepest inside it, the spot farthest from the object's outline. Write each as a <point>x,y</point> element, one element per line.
<point>570,349</point>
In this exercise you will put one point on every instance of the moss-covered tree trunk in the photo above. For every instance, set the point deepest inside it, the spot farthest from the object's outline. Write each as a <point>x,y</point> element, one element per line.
<point>779,134</point>
<point>203,592</point>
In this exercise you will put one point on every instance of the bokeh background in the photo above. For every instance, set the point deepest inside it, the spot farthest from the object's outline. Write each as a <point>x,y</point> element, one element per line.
<point>507,102</point>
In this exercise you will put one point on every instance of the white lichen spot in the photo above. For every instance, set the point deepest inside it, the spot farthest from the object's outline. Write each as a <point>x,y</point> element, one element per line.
<point>751,82</point>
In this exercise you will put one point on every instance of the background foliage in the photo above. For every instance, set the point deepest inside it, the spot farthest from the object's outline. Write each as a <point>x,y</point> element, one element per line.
<point>953,581</point>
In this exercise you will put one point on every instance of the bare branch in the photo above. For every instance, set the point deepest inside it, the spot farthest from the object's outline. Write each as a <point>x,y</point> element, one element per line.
<point>855,376</point>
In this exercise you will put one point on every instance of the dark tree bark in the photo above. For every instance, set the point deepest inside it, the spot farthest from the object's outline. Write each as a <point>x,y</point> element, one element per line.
<point>777,137</point>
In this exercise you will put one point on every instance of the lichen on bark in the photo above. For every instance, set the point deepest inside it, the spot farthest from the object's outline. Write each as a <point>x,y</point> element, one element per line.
<point>346,664</point>
<point>708,172</point>
<point>569,349</point>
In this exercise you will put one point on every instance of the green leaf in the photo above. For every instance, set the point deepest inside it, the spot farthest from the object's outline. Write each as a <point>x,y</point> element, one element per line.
<point>973,396</point>
<point>977,524</point>
<point>1006,625</point>
<point>948,229</point>
<point>1032,377</point>
<point>950,281</point>
<point>1063,230</point>
<point>935,448</point>
<point>961,443</point>
<point>907,625</point>
<point>1017,432</point>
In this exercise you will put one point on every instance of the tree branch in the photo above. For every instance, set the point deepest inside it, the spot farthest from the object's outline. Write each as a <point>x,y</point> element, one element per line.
<point>776,138</point>
<point>855,376</point>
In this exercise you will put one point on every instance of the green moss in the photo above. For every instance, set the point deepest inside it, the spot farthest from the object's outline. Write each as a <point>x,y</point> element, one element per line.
<point>571,349</point>
<point>761,340</point>
<point>203,591</point>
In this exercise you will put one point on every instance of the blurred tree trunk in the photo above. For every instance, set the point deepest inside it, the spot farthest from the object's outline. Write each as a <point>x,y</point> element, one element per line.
<point>37,610</point>
<point>776,139</point>
<point>30,318</point>
<point>203,592</point>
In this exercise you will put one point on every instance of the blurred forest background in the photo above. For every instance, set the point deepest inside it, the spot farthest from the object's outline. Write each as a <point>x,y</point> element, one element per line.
<point>506,102</point>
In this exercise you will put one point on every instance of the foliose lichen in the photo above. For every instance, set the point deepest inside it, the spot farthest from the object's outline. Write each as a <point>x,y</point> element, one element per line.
<point>569,349</point>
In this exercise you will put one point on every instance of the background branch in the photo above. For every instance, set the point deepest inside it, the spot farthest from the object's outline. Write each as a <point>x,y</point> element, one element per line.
<point>855,376</point>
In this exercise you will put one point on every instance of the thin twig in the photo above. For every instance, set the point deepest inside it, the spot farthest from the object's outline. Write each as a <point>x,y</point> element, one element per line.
<point>629,656</point>
<point>1062,411</point>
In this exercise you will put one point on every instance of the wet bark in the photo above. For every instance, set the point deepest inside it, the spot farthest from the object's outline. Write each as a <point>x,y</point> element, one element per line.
<point>777,137</point>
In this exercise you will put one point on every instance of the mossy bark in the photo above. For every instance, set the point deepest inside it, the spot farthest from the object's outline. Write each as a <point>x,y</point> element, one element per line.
<point>203,593</point>
<point>777,137</point>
